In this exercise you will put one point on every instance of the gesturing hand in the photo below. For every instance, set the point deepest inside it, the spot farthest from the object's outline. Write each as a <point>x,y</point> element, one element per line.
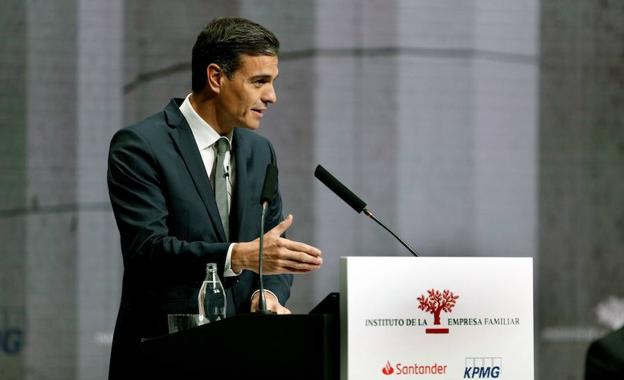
<point>281,255</point>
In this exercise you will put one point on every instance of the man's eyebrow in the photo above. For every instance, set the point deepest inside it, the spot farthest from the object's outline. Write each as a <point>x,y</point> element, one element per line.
<point>263,76</point>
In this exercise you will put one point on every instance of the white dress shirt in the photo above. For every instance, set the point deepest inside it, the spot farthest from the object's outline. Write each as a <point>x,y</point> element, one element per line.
<point>205,138</point>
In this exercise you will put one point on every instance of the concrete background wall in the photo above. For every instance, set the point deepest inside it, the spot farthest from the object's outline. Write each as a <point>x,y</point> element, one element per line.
<point>51,220</point>
<point>480,128</point>
<point>581,197</point>
<point>13,186</point>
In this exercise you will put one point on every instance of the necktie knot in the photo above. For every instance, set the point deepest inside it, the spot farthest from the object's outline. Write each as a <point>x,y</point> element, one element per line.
<point>222,145</point>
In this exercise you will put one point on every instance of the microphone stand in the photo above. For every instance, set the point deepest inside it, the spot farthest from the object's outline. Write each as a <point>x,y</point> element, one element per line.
<point>268,188</point>
<point>262,301</point>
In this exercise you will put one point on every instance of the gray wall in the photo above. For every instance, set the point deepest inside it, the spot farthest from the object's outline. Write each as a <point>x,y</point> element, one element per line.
<point>472,128</point>
<point>12,186</point>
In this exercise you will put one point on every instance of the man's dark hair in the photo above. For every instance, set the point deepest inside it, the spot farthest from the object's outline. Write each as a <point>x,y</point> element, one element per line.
<point>223,41</point>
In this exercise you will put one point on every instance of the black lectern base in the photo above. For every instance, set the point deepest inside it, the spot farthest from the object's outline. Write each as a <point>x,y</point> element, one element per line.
<point>249,346</point>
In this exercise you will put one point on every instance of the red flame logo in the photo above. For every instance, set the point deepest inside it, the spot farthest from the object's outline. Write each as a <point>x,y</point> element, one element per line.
<point>387,370</point>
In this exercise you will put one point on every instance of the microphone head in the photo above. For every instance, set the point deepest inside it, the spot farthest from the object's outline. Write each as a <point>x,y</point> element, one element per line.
<point>339,189</point>
<point>270,184</point>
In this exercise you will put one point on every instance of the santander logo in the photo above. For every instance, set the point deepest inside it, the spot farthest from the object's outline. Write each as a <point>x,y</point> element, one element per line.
<point>387,369</point>
<point>414,369</point>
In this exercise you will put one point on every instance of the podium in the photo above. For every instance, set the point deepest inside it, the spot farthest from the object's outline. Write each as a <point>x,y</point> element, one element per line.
<point>249,346</point>
<point>433,318</point>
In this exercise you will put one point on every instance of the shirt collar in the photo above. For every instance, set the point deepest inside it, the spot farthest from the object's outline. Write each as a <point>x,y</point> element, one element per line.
<point>205,135</point>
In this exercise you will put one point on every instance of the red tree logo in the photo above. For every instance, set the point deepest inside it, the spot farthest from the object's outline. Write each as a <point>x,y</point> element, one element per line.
<point>435,303</point>
<point>387,369</point>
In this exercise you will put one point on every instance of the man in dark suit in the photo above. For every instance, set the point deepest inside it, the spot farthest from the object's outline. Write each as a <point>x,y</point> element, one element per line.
<point>605,357</point>
<point>163,179</point>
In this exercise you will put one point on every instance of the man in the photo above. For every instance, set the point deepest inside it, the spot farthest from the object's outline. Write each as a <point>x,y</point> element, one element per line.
<point>605,357</point>
<point>185,186</point>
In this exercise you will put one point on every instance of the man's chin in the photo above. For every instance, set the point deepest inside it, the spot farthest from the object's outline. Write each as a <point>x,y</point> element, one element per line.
<point>251,126</point>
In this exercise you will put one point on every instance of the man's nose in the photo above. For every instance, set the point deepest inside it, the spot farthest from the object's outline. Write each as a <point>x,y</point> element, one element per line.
<point>269,96</point>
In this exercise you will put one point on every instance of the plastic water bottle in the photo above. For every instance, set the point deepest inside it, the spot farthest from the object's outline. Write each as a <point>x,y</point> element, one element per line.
<point>211,298</point>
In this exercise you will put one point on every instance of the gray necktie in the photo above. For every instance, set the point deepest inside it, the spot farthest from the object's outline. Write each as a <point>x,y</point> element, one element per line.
<point>220,184</point>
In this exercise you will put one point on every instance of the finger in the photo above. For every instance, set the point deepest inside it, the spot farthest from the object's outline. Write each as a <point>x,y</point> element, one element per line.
<point>286,266</point>
<point>289,271</point>
<point>300,247</point>
<point>283,310</point>
<point>300,257</point>
<point>295,266</point>
<point>283,226</point>
<point>300,269</point>
<point>289,266</point>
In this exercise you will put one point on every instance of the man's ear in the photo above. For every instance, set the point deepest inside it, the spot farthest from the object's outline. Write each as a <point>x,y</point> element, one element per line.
<point>214,76</point>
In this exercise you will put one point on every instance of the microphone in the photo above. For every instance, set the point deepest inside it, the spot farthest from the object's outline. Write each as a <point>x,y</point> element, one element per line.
<point>339,189</point>
<point>351,199</point>
<point>270,182</point>
<point>268,190</point>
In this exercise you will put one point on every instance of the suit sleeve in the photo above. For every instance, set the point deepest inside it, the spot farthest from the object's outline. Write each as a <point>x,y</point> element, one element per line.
<point>278,284</point>
<point>140,208</point>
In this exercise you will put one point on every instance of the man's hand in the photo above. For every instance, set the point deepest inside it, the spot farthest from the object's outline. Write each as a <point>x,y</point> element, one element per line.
<point>271,303</point>
<point>280,255</point>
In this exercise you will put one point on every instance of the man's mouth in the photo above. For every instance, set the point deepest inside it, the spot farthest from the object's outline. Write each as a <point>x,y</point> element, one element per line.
<point>259,111</point>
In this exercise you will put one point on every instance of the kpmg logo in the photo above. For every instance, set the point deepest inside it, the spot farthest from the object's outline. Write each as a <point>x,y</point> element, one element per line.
<point>435,303</point>
<point>483,368</point>
<point>415,369</point>
<point>11,335</point>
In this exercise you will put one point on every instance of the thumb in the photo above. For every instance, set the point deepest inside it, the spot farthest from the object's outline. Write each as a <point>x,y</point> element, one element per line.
<point>283,310</point>
<point>284,225</point>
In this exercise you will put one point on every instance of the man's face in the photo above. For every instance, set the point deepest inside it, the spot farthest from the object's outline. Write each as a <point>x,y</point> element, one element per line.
<point>244,98</point>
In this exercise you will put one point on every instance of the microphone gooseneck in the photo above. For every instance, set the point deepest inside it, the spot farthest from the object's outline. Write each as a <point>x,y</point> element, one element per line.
<point>352,200</point>
<point>261,301</point>
<point>370,215</point>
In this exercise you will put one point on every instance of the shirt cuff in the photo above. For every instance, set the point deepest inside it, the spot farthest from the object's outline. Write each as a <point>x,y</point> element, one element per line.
<point>228,272</point>
<point>266,290</point>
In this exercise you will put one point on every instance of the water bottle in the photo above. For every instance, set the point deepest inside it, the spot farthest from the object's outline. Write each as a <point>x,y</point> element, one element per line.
<point>211,297</point>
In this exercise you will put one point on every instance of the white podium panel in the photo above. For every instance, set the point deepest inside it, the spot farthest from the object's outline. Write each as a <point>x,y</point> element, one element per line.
<point>436,318</point>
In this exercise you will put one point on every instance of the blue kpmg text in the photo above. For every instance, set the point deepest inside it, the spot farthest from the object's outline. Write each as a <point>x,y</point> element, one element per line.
<point>482,372</point>
<point>483,367</point>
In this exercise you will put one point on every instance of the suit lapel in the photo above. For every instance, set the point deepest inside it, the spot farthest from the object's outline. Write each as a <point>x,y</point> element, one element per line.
<point>242,154</point>
<point>187,148</point>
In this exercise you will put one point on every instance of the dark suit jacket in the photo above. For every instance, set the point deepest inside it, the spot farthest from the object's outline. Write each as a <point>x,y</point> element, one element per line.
<point>605,357</point>
<point>170,227</point>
